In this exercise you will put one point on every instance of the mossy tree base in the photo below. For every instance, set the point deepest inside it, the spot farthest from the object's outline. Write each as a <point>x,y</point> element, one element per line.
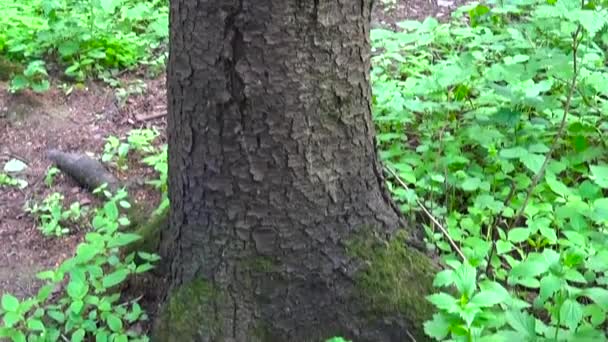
<point>384,300</point>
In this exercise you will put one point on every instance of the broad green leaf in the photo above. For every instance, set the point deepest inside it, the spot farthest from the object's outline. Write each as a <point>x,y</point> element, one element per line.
<point>521,322</point>
<point>471,184</point>
<point>437,328</point>
<point>533,161</point>
<point>442,301</point>
<point>487,299</point>
<point>465,279</point>
<point>518,235</point>
<point>78,335</point>
<point>123,239</point>
<point>549,284</point>
<point>444,278</point>
<point>35,324</point>
<point>571,313</point>
<point>598,295</point>
<point>114,323</point>
<point>599,174</point>
<point>115,278</point>
<point>10,303</point>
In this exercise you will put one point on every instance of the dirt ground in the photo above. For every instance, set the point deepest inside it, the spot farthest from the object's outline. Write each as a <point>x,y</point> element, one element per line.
<point>31,124</point>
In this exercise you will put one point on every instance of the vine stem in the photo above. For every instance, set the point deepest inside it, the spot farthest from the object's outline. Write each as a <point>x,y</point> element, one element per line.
<point>430,216</point>
<point>560,132</point>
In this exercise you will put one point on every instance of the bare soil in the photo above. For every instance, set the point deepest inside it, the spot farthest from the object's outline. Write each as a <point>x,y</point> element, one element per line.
<point>31,124</point>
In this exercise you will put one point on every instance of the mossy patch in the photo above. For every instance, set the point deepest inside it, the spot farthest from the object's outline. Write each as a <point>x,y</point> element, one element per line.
<point>189,314</point>
<point>396,278</point>
<point>261,264</point>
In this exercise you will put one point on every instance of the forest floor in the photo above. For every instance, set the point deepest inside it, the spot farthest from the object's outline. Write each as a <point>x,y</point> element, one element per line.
<point>79,121</point>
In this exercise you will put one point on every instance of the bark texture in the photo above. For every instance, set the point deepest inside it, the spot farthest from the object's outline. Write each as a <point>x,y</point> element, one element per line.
<point>273,169</point>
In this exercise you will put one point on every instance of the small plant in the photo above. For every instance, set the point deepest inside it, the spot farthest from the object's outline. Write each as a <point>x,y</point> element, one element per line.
<point>8,181</point>
<point>158,162</point>
<point>52,215</point>
<point>141,139</point>
<point>89,306</point>
<point>88,38</point>
<point>115,151</point>
<point>50,176</point>
<point>337,339</point>
<point>34,77</point>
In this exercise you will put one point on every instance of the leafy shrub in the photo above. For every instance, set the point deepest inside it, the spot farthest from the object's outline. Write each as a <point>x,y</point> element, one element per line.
<point>495,124</point>
<point>87,37</point>
<point>52,215</point>
<point>89,305</point>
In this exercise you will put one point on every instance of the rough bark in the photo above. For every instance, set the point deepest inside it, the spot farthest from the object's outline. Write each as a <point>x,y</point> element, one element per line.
<point>273,173</point>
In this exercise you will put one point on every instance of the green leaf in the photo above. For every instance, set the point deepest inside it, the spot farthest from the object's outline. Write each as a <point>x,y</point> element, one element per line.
<point>76,307</point>
<point>599,174</point>
<point>35,324</point>
<point>591,20</point>
<point>549,285</point>
<point>444,278</point>
<point>44,292</point>
<point>532,266</point>
<point>557,186</point>
<point>471,184</point>
<point>487,298</point>
<point>123,239</point>
<point>56,315</point>
<point>114,323</point>
<point>77,288</point>
<point>465,278</point>
<point>115,278</point>
<point>437,328</point>
<point>11,319</point>
<point>598,295</point>
<point>10,303</point>
<point>78,335</point>
<point>442,301</point>
<point>521,322</point>
<point>111,211</point>
<point>571,313</point>
<point>533,161</point>
<point>518,235</point>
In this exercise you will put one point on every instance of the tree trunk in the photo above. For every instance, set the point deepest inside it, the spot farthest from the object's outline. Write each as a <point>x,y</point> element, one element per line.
<point>274,179</point>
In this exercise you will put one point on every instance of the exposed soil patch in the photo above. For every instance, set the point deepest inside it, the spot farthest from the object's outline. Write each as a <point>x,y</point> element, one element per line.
<point>388,14</point>
<point>31,124</point>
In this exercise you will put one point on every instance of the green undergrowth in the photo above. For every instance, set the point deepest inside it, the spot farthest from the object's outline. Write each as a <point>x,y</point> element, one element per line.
<point>81,300</point>
<point>84,38</point>
<point>495,123</point>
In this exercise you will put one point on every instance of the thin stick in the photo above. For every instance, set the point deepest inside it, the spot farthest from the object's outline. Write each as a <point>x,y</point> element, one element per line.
<point>559,134</point>
<point>430,216</point>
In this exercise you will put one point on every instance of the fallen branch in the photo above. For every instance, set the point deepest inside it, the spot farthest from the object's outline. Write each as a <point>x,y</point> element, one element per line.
<point>150,117</point>
<point>88,172</point>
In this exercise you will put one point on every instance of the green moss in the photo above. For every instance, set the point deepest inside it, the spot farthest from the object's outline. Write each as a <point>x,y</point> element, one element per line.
<point>189,314</point>
<point>397,277</point>
<point>260,264</point>
<point>261,332</point>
